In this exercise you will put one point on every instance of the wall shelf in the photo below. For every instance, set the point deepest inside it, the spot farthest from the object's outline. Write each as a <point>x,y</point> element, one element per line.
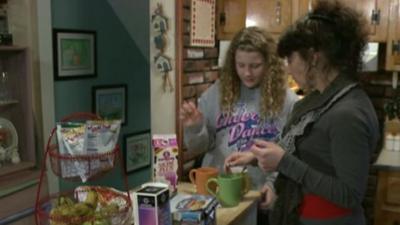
<point>9,102</point>
<point>12,48</point>
<point>12,168</point>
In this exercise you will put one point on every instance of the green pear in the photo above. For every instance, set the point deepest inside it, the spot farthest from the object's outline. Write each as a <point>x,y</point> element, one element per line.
<point>102,222</point>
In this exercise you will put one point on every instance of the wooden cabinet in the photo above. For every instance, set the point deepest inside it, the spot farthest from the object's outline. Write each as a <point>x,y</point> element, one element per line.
<point>17,180</point>
<point>231,17</point>
<point>20,61</point>
<point>301,8</point>
<point>392,60</point>
<point>387,204</point>
<point>16,107</point>
<point>376,12</point>
<point>274,15</point>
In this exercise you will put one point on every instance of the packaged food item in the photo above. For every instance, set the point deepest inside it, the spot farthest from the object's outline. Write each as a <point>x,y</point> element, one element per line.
<point>71,138</point>
<point>151,205</point>
<point>166,160</point>
<point>194,209</point>
<point>81,140</point>
<point>101,135</point>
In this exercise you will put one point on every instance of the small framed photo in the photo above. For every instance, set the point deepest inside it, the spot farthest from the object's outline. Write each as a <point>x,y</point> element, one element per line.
<point>110,102</point>
<point>74,54</point>
<point>137,150</point>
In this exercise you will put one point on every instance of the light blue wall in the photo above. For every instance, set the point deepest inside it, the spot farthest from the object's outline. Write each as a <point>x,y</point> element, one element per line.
<point>119,61</point>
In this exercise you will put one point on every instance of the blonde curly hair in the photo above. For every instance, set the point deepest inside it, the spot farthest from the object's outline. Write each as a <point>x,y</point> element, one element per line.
<point>274,83</point>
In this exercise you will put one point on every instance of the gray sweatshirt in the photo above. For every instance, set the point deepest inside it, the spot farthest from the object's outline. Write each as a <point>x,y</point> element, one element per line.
<point>220,135</point>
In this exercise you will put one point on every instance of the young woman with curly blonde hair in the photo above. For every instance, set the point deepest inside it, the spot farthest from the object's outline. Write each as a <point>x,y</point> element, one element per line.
<point>249,101</point>
<point>273,86</point>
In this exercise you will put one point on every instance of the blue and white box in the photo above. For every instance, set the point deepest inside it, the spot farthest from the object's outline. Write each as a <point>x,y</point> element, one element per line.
<point>194,209</point>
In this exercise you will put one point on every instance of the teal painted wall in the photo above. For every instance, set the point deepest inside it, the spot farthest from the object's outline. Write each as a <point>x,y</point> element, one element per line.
<point>119,61</point>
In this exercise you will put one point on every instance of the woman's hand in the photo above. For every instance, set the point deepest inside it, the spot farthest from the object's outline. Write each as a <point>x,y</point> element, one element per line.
<point>268,196</point>
<point>189,114</point>
<point>268,154</point>
<point>239,159</point>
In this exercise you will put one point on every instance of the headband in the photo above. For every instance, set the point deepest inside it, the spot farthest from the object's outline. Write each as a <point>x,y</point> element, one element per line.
<point>321,18</point>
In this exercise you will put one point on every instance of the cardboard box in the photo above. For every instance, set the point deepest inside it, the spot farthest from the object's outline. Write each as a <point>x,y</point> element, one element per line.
<point>151,205</point>
<point>193,209</point>
<point>166,160</point>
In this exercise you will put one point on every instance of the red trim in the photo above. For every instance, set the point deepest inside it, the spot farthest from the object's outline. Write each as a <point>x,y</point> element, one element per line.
<point>315,207</point>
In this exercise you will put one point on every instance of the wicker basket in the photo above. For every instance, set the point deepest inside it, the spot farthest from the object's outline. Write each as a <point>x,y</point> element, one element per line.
<point>46,208</point>
<point>90,167</point>
<point>81,167</point>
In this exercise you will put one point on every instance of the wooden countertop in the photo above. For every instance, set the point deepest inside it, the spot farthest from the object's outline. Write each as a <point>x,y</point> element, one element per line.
<point>388,160</point>
<point>227,216</point>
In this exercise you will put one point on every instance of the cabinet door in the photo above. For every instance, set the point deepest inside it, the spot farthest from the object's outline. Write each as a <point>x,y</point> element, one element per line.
<point>301,8</point>
<point>387,207</point>
<point>273,15</point>
<point>15,102</point>
<point>393,40</point>
<point>376,12</point>
<point>231,17</point>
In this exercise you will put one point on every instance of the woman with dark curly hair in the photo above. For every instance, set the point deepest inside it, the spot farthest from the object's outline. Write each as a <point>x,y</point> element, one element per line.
<point>324,152</point>
<point>250,100</point>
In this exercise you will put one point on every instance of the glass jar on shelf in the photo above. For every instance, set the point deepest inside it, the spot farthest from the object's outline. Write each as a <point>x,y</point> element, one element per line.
<point>5,95</point>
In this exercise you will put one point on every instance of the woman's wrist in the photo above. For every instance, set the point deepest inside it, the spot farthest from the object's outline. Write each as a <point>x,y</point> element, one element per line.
<point>195,127</point>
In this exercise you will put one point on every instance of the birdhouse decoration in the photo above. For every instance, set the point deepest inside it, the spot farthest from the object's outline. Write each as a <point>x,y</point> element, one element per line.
<point>158,21</point>
<point>159,41</point>
<point>162,62</point>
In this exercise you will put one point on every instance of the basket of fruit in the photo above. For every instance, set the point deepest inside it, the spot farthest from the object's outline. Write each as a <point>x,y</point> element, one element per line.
<point>86,205</point>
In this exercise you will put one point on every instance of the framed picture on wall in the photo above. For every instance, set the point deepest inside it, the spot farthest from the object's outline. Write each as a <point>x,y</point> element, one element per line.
<point>137,150</point>
<point>74,54</point>
<point>110,102</point>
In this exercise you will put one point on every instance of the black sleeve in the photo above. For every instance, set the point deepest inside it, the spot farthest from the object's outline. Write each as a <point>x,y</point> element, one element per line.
<point>348,134</point>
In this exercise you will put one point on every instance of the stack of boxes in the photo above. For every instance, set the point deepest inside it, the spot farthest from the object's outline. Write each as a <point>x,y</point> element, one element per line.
<point>153,206</point>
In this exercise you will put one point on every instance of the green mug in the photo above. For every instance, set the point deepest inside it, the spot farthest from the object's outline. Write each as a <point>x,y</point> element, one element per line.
<point>229,189</point>
<point>242,171</point>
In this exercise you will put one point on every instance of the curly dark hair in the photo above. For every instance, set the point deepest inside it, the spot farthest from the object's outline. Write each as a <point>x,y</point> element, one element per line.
<point>332,28</point>
<point>274,83</point>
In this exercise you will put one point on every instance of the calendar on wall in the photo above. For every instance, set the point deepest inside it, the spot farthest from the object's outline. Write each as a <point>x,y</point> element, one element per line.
<point>202,23</point>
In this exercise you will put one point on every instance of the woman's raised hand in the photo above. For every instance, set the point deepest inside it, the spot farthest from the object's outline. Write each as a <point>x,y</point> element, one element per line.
<point>189,114</point>
<point>238,159</point>
<point>268,154</point>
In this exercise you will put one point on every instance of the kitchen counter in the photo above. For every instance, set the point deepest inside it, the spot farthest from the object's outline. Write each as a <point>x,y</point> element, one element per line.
<point>388,160</point>
<point>244,213</point>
